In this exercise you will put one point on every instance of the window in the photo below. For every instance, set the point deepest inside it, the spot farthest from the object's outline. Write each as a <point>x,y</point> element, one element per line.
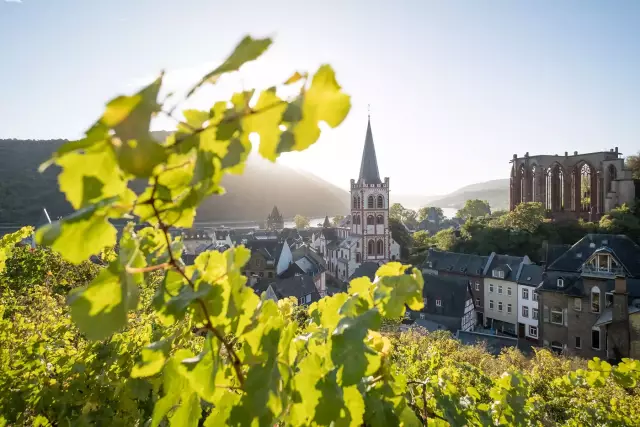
<point>535,296</point>
<point>556,316</point>
<point>370,247</point>
<point>525,293</point>
<point>477,302</point>
<point>534,313</point>
<point>355,202</point>
<point>500,289</point>
<point>270,275</point>
<point>560,283</point>
<point>477,286</point>
<point>261,274</point>
<point>608,300</point>
<point>533,331</point>
<point>308,298</point>
<point>490,287</point>
<point>595,338</point>
<point>595,299</point>
<point>499,305</point>
<point>438,303</point>
<point>525,311</point>
<point>424,300</point>
<point>380,202</point>
<point>490,304</point>
<point>509,290</point>
<point>380,247</point>
<point>370,220</point>
<point>578,342</point>
<point>380,220</point>
<point>358,259</point>
<point>508,308</point>
<point>577,304</point>
<point>498,273</point>
<point>370,202</point>
<point>422,316</point>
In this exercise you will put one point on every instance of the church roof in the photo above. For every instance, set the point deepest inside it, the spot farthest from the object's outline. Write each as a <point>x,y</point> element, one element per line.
<point>326,224</point>
<point>369,166</point>
<point>274,213</point>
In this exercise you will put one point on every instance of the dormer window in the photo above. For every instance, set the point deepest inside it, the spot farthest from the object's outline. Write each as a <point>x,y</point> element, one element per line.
<point>438,303</point>
<point>560,282</point>
<point>498,274</point>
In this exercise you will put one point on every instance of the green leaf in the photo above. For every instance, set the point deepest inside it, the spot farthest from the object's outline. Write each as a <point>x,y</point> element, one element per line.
<point>205,371</point>
<point>393,292</point>
<point>80,235</point>
<point>247,50</point>
<point>324,101</point>
<point>118,109</point>
<point>91,176</point>
<point>100,308</point>
<point>294,78</point>
<point>137,111</point>
<point>266,123</point>
<point>222,410</point>
<point>180,404</point>
<point>140,157</point>
<point>153,358</point>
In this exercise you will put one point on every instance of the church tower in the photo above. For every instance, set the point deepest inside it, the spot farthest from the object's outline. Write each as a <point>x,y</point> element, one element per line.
<point>370,208</point>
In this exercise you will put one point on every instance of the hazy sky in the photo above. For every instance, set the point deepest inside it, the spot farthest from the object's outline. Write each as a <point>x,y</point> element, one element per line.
<point>455,87</point>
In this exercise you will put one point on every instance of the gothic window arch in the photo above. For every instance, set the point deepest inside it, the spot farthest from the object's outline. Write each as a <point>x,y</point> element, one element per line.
<point>595,299</point>
<point>370,247</point>
<point>380,246</point>
<point>380,220</point>
<point>370,220</point>
<point>370,202</point>
<point>380,202</point>
<point>612,175</point>
<point>355,202</point>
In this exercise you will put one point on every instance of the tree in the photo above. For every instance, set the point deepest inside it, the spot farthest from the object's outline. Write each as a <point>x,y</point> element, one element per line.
<point>407,216</point>
<point>474,208</point>
<point>526,216</point>
<point>621,221</point>
<point>633,163</point>
<point>337,220</point>
<point>301,222</point>
<point>420,239</point>
<point>445,240</point>
<point>430,211</point>
<point>400,234</point>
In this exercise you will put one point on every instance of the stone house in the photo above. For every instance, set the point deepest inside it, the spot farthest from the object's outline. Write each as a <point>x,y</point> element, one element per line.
<point>455,264</point>
<point>501,292</point>
<point>448,302</point>
<point>590,298</point>
<point>269,258</point>
<point>300,287</point>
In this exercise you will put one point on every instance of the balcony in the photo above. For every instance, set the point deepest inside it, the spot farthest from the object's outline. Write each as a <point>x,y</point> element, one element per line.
<point>591,271</point>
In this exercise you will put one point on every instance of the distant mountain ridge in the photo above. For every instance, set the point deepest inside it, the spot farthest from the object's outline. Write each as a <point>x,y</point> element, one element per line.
<point>496,192</point>
<point>249,197</point>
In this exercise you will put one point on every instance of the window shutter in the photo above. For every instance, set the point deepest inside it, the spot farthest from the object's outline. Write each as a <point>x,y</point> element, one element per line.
<point>565,317</point>
<point>545,313</point>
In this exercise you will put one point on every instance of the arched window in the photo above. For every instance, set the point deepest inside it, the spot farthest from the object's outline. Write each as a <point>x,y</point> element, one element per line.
<point>595,299</point>
<point>370,202</point>
<point>358,219</point>
<point>370,248</point>
<point>380,247</point>
<point>355,202</point>
<point>612,175</point>
<point>370,220</point>
<point>380,202</point>
<point>380,220</point>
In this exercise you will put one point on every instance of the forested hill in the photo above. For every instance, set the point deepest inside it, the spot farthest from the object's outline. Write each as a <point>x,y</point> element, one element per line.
<point>496,192</point>
<point>251,196</point>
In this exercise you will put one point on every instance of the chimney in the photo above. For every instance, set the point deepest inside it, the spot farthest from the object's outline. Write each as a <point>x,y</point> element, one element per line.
<point>575,153</point>
<point>616,150</point>
<point>621,285</point>
<point>566,154</point>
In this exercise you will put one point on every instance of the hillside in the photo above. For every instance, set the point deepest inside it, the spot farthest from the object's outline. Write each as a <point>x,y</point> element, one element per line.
<point>496,192</point>
<point>251,196</point>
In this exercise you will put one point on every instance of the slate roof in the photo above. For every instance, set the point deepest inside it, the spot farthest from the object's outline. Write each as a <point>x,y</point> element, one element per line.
<point>296,286</point>
<point>620,246</point>
<point>573,285</point>
<point>369,173</point>
<point>270,249</point>
<point>607,315</point>
<point>531,275</point>
<point>452,291</point>
<point>456,262</point>
<point>551,252</point>
<point>508,263</point>
<point>366,269</point>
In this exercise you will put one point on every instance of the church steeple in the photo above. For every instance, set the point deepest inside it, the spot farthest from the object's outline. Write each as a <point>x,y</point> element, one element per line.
<point>369,166</point>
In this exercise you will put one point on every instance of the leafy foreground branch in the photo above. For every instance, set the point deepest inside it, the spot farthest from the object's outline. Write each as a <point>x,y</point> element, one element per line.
<point>138,355</point>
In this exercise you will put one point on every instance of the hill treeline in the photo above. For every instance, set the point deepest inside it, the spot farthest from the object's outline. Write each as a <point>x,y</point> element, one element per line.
<point>250,197</point>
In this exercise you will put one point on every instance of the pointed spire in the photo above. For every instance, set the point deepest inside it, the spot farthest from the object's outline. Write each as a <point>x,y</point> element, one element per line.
<point>326,224</point>
<point>369,167</point>
<point>274,213</point>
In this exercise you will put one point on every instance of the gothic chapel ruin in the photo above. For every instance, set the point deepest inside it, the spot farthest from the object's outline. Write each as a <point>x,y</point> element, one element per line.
<point>570,187</point>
